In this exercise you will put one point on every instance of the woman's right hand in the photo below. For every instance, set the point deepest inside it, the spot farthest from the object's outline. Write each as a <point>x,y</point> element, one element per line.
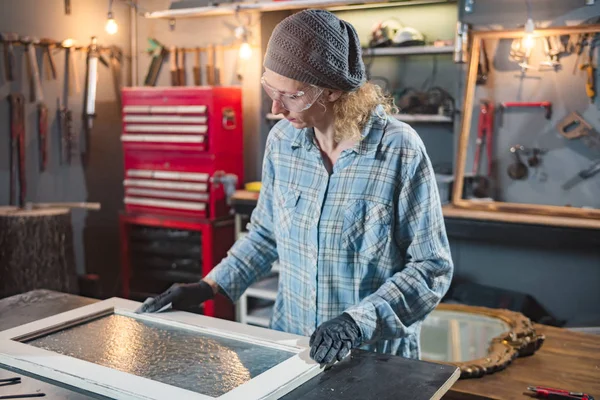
<point>180,295</point>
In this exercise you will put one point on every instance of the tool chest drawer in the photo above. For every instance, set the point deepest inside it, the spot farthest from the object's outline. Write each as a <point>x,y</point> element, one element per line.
<point>160,250</point>
<point>168,191</point>
<point>186,185</point>
<point>201,119</point>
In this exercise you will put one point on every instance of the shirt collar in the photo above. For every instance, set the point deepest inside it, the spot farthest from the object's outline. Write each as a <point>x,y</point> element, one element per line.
<point>372,133</point>
<point>370,137</point>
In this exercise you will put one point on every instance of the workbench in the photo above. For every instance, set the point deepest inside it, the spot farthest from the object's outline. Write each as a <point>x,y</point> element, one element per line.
<point>363,375</point>
<point>567,359</point>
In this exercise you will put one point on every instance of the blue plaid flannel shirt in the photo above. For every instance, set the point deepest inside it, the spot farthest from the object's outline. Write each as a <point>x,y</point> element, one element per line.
<point>368,240</point>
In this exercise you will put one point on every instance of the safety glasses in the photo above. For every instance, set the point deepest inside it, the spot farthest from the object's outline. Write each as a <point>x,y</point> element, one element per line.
<point>295,102</point>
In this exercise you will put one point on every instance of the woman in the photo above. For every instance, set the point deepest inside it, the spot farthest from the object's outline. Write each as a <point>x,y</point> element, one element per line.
<point>348,205</point>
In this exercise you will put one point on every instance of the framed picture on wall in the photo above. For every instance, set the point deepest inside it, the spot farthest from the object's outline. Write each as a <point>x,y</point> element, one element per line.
<point>527,145</point>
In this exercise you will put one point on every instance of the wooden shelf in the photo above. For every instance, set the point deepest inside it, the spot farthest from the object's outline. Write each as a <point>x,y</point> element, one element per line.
<point>266,5</point>
<point>264,289</point>
<point>451,211</point>
<point>442,119</point>
<point>260,316</point>
<point>407,51</point>
<point>425,118</point>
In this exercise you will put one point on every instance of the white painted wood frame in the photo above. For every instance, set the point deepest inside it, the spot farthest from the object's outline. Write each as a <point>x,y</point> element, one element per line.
<point>95,378</point>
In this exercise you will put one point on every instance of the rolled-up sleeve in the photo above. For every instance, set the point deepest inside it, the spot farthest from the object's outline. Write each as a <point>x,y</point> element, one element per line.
<point>416,289</point>
<point>252,257</point>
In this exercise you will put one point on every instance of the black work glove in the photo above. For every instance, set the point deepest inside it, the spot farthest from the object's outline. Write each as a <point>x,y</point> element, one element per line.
<point>334,339</point>
<point>182,295</point>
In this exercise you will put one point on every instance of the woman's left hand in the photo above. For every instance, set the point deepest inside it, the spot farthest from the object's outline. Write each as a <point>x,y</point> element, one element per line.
<point>334,339</point>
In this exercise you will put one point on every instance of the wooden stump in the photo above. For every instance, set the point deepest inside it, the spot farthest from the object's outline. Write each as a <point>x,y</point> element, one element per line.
<point>36,251</point>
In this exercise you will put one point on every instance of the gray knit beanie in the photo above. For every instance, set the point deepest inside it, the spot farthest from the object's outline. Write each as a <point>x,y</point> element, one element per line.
<point>316,47</point>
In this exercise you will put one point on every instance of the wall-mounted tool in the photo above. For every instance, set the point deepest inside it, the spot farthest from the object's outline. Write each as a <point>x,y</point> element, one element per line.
<point>573,126</point>
<point>38,97</point>
<point>210,65</point>
<point>483,67</point>
<point>8,40</point>
<point>173,66</point>
<point>485,129</point>
<point>67,135</point>
<point>582,175</point>
<point>517,170</point>
<point>89,97</point>
<point>116,62</point>
<point>181,66</point>
<point>546,105</point>
<point>590,69</point>
<point>17,145</point>
<point>159,53</point>
<point>67,7</point>
<point>43,135</point>
<point>520,52</point>
<point>552,49</point>
<point>461,43</point>
<point>582,40</point>
<point>65,114</point>
<point>197,68</point>
<point>535,159</point>
<point>46,45</point>
<point>35,83</point>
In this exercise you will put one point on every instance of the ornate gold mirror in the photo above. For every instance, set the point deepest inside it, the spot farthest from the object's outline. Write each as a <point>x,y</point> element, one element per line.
<point>478,340</point>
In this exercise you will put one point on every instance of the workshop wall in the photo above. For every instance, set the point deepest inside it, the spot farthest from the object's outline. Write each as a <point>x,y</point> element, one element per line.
<point>561,158</point>
<point>419,72</point>
<point>572,274</point>
<point>509,14</point>
<point>101,180</point>
<point>200,32</point>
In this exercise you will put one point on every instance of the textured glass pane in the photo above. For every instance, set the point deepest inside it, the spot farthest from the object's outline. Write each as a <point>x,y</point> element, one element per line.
<point>199,362</point>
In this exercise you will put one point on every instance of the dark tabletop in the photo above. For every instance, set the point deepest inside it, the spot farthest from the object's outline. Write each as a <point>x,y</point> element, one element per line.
<point>22,309</point>
<point>363,376</point>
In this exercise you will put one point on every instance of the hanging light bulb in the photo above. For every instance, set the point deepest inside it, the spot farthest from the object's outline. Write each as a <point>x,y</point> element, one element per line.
<point>242,33</point>
<point>529,39</point>
<point>111,25</point>
<point>245,51</point>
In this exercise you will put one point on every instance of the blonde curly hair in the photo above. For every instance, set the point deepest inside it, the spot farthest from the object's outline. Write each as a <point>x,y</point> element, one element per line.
<point>353,110</point>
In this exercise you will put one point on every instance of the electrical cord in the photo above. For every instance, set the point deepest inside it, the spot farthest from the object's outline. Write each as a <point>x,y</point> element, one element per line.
<point>528,4</point>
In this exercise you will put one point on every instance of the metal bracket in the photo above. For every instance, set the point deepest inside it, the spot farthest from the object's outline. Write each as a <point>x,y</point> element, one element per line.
<point>469,5</point>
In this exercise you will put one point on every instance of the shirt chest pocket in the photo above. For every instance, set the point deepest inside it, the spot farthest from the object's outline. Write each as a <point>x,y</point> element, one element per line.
<point>285,201</point>
<point>366,227</point>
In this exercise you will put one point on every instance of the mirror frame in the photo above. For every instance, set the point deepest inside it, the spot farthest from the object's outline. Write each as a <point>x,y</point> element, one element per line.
<point>538,213</point>
<point>519,341</point>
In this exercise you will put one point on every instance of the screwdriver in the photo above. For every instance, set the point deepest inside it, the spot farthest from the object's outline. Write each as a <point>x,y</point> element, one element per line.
<point>582,175</point>
<point>556,394</point>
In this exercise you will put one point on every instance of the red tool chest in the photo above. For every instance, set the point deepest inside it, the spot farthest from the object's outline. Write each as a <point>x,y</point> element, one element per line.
<point>158,251</point>
<point>175,142</point>
<point>178,145</point>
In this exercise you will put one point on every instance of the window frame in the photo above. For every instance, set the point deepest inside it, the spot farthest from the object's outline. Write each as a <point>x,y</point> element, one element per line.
<point>271,384</point>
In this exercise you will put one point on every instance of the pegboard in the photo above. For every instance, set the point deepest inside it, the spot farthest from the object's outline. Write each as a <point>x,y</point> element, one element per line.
<point>561,159</point>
